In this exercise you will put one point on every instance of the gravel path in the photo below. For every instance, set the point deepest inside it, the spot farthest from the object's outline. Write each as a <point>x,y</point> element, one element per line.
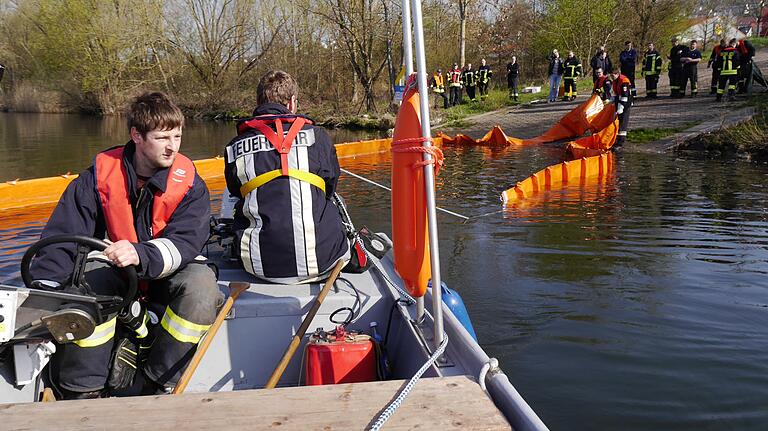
<point>532,120</point>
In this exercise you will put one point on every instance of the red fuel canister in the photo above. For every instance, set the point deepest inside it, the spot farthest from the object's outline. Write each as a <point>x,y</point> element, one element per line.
<point>340,357</point>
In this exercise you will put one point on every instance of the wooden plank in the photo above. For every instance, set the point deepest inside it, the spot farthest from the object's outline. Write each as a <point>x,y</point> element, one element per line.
<point>447,403</point>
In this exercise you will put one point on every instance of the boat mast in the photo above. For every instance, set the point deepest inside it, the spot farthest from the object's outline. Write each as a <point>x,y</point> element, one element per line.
<point>407,43</point>
<point>429,172</point>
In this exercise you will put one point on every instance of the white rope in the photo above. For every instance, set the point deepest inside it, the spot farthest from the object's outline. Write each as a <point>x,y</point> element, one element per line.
<point>394,405</point>
<point>492,365</point>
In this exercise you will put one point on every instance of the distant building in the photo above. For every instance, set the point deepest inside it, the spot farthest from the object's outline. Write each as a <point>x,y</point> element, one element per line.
<point>711,29</point>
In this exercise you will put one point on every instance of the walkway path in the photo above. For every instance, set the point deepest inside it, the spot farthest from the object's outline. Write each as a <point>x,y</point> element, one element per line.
<point>532,120</point>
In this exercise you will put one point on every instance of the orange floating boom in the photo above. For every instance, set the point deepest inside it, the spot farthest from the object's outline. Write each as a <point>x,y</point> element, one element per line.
<point>557,176</point>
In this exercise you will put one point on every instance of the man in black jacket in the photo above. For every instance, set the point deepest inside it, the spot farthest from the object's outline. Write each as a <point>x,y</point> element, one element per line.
<point>600,61</point>
<point>148,200</point>
<point>283,170</point>
<point>676,53</point>
<point>513,72</point>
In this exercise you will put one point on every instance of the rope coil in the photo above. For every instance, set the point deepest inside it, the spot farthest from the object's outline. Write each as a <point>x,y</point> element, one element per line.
<point>437,154</point>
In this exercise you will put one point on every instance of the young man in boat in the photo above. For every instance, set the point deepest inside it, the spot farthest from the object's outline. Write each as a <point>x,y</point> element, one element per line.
<point>283,171</point>
<point>148,200</point>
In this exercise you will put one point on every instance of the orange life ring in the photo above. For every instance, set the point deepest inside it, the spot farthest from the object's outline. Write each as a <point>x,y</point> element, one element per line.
<point>409,208</point>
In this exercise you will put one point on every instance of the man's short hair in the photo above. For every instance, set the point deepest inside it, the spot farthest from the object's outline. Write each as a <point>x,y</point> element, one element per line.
<point>154,111</point>
<point>276,86</point>
<point>627,42</point>
<point>615,69</point>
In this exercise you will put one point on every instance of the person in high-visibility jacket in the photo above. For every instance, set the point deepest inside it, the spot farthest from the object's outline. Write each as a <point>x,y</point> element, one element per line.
<point>454,84</point>
<point>572,70</point>
<point>651,71</point>
<point>484,74</point>
<point>715,72</point>
<point>676,53</point>
<point>622,97</point>
<point>728,65</point>
<point>691,69</point>
<point>603,85</point>
<point>746,52</point>
<point>469,81</point>
<point>437,84</point>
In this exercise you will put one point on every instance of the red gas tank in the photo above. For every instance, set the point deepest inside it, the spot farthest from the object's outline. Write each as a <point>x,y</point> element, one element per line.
<point>340,357</point>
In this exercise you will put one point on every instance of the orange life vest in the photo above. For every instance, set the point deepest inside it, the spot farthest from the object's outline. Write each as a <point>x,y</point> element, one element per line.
<point>621,80</point>
<point>112,185</point>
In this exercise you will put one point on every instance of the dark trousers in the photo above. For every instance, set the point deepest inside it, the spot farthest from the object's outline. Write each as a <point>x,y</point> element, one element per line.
<point>690,74</point>
<point>455,95</point>
<point>569,88</point>
<point>512,87</point>
<point>191,294</point>
<point>471,92</point>
<point>483,87</point>
<point>745,76</point>
<point>715,81</point>
<point>729,81</point>
<point>675,78</point>
<point>441,94</point>
<point>623,123</point>
<point>631,77</point>
<point>651,84</point>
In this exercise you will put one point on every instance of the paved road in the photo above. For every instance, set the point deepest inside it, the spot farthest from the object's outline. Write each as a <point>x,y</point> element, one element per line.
<point>530,121</point>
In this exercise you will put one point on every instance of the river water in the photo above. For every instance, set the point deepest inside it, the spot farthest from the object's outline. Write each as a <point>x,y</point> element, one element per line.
<point>636,303</point>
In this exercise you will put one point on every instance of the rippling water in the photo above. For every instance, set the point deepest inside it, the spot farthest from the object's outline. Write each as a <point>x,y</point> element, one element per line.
<point>635,303</point>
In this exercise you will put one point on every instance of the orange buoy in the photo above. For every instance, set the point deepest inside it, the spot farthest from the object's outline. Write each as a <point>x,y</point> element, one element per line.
<point>409,198</point>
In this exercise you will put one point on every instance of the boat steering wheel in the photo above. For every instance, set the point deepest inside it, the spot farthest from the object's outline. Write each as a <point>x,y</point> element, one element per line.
<point>77,283</point>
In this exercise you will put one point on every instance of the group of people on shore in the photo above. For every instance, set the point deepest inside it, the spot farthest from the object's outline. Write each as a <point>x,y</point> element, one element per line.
<point>450,86</point>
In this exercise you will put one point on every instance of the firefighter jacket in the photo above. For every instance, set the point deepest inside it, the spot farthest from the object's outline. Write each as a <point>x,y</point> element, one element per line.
<point>627,62</point>
<point>166,238</point>
<point>484,74</point>
<point>572,68</point>
<point>283,170</point>
<point>746,50</point>
<point>437,83</point>
<point>728,61</point>
<point>715,53</point>
<point>454,77</point>
<point>602,87</point>
<point>469,78</point>
<point>555,66</point>
<point>651,63</point>
<point>598,62</point>
<point>675,54</point>
<point>622,93</point>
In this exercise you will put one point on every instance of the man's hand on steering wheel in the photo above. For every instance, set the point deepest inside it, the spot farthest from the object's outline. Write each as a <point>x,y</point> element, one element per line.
<point>122,253</point>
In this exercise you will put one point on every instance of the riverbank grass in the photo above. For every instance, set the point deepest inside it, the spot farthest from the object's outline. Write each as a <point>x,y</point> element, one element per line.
<point>456,116</point>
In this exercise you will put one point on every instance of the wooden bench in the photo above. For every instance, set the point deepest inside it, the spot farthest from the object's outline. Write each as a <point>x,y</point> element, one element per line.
<point>447,403</point>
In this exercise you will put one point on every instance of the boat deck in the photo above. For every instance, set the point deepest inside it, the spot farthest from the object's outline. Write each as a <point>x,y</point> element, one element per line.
<point>446,403</point>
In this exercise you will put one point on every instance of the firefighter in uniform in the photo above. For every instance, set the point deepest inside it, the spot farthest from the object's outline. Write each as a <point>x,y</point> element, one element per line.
<point>603,85</point>
<point>149,201</point>
<point>746,52</point>
<point>691,70</point>
<point>572,70</point>
<point>728,63</point>
<point>622,96</point>
<point>628,61</point>
<point>484,74</point>
<point>454,84</point>
<point>715,73</point>
<point>651,71</point>
<point>283,172</point>
<point>676,53</point>
<point>469,81</point>
<point>513,73</point>
<point>437,84</point>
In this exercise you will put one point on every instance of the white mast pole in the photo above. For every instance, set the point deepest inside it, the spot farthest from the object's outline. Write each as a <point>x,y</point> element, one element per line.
<point>429,172</point>
<point>407,43</point>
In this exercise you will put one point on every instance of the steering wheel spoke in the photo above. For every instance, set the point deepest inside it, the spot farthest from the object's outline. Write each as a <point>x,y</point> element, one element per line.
<point>109,304</point>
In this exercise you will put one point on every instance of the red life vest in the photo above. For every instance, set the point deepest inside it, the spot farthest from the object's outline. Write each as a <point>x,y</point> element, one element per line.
<point>112,185</point>
<point>600,83</point>
<point>621,80</point>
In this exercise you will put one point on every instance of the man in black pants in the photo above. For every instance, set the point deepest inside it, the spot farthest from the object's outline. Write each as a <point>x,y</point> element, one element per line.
<point>484,78</point>
<point>715,71</point>
<point>622,97</point>
<point>675,56</point>
<point>651,71</point>
<point>628,60</point>
<point>513,72</point>
<point>691,70</point>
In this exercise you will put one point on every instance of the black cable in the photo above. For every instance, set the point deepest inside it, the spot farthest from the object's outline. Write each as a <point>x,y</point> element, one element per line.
<point>391,313</point>
<point>354,311</point>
